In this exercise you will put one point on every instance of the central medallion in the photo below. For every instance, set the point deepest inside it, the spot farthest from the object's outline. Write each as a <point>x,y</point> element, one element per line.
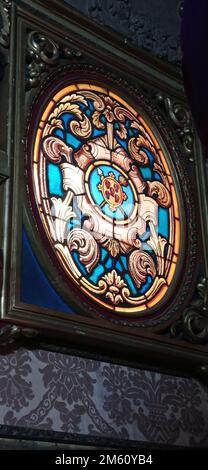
<point>112,190</point>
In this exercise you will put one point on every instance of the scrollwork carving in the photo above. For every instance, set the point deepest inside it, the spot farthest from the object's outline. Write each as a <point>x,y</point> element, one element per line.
<point>193,325</point>
<point>10,333</point>
<point>5,6</point>
<point>43,53</point>
<point>181,120</point>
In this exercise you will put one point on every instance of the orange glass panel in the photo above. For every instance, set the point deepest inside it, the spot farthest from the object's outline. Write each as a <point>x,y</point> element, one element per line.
<point>138,308</point>
<point>177,237</point>
<point>46,113</point>
<point>171,273</point>
<point>37,145</point>
<point>175,259</point>
<point>175,202</point>
<point>164,162</point>
<point>154,140</point>
<point>158,297</point>
<point>36,182</point>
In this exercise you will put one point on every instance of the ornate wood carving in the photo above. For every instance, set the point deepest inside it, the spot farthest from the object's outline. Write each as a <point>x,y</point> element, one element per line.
<point>43,54</point>
<point>5,6</point>
<point>9,334</point>
<point>180,118</point>
<point>193,324</point>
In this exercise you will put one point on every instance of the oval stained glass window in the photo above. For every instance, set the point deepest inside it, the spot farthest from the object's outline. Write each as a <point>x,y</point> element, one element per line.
<point>106,198</point>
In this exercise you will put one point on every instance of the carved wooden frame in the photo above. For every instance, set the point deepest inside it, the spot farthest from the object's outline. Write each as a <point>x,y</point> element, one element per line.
<point>72,43</point>
<point>20,438</point>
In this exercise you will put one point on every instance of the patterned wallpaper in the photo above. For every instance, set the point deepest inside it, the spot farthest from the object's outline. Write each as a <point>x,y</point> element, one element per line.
<point>51,391</point>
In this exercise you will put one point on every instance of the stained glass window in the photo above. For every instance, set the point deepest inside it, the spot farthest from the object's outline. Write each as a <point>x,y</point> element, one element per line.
<point>107,200</point>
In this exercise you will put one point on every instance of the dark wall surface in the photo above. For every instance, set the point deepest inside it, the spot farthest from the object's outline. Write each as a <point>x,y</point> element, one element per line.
<point>151,24</point>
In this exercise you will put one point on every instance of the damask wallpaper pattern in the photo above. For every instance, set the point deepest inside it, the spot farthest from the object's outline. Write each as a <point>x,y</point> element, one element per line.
<point>51,391</point>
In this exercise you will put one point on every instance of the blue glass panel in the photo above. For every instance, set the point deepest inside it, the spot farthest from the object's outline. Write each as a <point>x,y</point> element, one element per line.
<point>82,106</point>
<point>97,132</point>
<point>59,133</point>
<point>91,106</point>
<point>149,154</point>
<point>76,209</point>
<point>123,259</point>
<point>146,247</point>
<point>103,119</point>
<point>157,177</point>
<point>54,180</point>
<point>80,266</point>
<point>109,263</point>
<point>35,287</point>
<point>73,141</point>
<point>145,235</point>
<point>97,272</point>
<point>132,133</point>
<point>146,286</point>
<point>119,267</point>
<point>131,284</point>
<point>163,218</point>
<point>146,173</point>
<point>66,118</point>
<point>104,253</point>
<point>113,215</point>
<point>123,143</point>
<point>74,223</point>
